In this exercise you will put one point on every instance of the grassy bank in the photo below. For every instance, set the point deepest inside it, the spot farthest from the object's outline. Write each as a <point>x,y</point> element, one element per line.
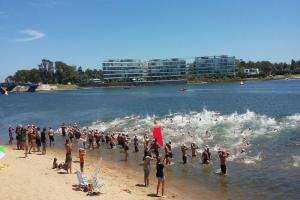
<point>60,87</point>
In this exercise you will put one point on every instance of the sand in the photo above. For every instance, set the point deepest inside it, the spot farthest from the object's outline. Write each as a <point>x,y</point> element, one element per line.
<point>33,178</point>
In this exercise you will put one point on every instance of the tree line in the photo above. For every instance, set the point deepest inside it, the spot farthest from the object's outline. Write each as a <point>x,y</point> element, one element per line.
<point>267,68</point>
<point>49,72</point>
<point>58,72</point>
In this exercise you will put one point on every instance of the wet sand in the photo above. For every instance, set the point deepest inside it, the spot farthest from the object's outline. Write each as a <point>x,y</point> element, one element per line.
<point>33,178</point>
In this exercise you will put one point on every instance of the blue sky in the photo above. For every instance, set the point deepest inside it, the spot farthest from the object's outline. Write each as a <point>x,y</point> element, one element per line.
<point>84,32</point>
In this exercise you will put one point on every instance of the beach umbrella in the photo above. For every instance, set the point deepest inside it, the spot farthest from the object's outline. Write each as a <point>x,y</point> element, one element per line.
<point>2,152</point>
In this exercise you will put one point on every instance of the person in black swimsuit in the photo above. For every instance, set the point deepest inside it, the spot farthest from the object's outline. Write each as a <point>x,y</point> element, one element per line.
<point>160,175</point>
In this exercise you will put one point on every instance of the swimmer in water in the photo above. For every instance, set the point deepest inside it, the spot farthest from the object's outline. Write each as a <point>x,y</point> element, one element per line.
<point>223,155</point>
<point>126,149</point>
<point>206,156</point>
<point>194,147</point>
<point>136,144</point>
<point>168,153</point>
<point>183,150</point>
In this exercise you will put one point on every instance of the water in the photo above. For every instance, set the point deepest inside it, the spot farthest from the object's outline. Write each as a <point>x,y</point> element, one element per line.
<point>265,113</point>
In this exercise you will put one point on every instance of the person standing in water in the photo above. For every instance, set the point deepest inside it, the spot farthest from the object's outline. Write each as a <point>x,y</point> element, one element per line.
<point>10,134</point>
<point>194,147</point>
<point>126,149</point>
<point>168,153</point>
<point>38,139</point>
<point>44,141</point>
<point>19,136</point>
<point>81,159</point>
<point>63,129</point>
<point>183,150</point>
<point>155,148</point>
<point>136,144</point>
<point>160,176</point>
<point>223,155</point>
<point>51,136</point>
<point>206,155</point>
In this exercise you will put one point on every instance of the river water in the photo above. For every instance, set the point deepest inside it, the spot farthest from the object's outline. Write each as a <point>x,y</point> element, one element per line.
<point>265,113</point>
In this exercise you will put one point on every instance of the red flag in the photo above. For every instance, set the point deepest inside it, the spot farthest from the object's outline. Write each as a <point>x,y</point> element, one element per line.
<point>157,134</point>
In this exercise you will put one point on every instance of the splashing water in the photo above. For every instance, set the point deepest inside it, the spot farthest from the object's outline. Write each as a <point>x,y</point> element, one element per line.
<point>296,161</point>
<point>233,132</point>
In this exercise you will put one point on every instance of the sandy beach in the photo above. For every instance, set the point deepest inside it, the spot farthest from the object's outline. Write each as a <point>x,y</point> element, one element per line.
<point>34,178</point>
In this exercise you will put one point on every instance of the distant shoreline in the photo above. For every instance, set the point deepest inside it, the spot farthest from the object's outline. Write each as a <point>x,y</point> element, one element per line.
<point>128,85</point>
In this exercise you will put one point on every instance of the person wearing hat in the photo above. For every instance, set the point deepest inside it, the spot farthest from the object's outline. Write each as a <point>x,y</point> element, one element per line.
<point>206,155</point>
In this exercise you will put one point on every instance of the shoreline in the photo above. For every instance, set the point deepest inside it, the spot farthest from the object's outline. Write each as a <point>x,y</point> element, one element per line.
<point>129,85</point>
<point>121,182</point>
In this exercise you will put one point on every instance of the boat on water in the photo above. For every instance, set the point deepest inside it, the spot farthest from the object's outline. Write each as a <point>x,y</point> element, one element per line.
<point>182,89</point>
<point>3,91</point>
<point>242,83</point>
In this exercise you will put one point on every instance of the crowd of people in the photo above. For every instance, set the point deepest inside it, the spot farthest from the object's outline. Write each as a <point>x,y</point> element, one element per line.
<point>31,138</point>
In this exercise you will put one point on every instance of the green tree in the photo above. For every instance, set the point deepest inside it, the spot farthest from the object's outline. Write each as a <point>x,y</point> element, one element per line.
<point>25,76</point>
<point>46,70</point>
<point>65,73</point>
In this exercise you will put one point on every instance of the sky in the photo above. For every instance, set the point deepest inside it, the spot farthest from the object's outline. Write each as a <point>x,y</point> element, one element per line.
<point>86,32</point>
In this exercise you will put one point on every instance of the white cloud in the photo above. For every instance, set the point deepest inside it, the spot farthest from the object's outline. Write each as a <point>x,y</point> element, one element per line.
<point>31,35</point>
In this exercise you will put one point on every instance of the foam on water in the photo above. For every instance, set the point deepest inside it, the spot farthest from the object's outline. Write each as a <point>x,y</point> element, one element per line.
<point>233,132</point>
<point>296,161</point>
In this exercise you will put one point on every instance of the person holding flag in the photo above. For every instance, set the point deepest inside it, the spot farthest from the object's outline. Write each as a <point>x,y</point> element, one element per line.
<point>158,139</point>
